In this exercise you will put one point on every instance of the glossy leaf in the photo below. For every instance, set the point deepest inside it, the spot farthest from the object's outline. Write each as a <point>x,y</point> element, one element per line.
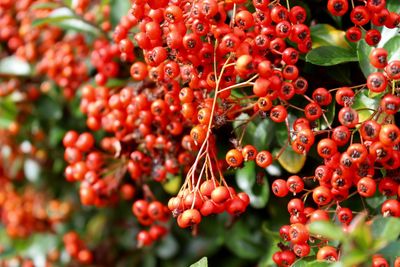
<point>387,34</point>
<point>393,48</point>
<point>290,160</point>
<point>327,35</point>
<point>326,229</point>
<point>363,51</point>
<point>201,263</point>
<point>330,55</point>
<point>15,66</point>
<point>364,105</point>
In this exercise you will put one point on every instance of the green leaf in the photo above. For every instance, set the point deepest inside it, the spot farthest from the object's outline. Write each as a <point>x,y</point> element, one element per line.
<point>111,83</point>
<point>393,5</point>
<point>8,112</point>
<point>340,73</point>
<point>375,201</point>
<point>118,9</point>
<point>263,134</point>
<point>172,185</point>
<point>361,235</point>
<point>363,104</point>
<point>244,242</point>
<point>310,262</point>
<point>327,35</point>
<point>44,5</point>
<point>387,34</point>
<point>14,65</point>
<point>95,227</point>
<point>354,258</point>
<point>290,160</point>
<point>258,191</point>
<point>386,228</point>
<point>66,19</point>
<point>391,251</point>
<point>330,55</point>
<point>393,48</point>
<point>201,263</point>
<point>327,230</point>
<point>56,134</point>
<point>48,108</point>
<point>363,51</point>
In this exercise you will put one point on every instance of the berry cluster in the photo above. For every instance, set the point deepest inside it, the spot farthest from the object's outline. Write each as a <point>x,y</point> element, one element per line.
<point>62,63</point>
<point>76,248</point>
<point>195,56</point>
<point>373,11</point>
<point>28,212</point>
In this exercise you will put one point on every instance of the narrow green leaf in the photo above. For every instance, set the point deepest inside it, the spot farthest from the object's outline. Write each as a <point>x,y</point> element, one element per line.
<point>201,263</point>
<point>15,66</point>
<point>330,55</point>
<point>363,51</point>
<point>45,5</point>
<point>327,230</point>
<point>66,19</point>
<point>50,20</point>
